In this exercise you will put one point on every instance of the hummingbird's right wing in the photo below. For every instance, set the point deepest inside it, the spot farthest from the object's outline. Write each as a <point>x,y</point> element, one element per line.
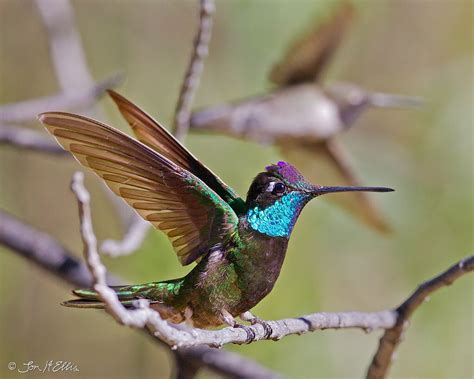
<point>173,199</point>
<point>309,55</point>
<point>328,163</point>
<point>151,133</point>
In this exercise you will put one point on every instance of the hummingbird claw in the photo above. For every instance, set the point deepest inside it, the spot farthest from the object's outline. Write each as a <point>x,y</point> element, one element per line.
<point>248,316</point>
<point>250,333</point>
<point>266,326</point>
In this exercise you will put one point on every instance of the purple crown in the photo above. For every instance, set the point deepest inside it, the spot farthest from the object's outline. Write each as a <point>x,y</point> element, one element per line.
<point>287,172</point>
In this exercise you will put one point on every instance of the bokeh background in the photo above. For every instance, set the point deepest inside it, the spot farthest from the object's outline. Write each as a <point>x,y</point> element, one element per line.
<point>417,47</point>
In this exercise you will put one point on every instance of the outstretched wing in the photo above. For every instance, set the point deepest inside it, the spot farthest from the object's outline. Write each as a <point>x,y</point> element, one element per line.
<point>174,200</point>
<point>151,133</point>
<point>308,56</point>
<point>327,163</point>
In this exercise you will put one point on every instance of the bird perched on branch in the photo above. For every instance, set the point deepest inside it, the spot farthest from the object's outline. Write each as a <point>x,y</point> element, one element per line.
<point>303,117</point>
<point>239,246</point>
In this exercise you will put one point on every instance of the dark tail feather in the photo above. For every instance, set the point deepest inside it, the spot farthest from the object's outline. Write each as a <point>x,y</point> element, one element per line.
<point>162,292</point>
<point>92,304</point>
<point>90,299</point>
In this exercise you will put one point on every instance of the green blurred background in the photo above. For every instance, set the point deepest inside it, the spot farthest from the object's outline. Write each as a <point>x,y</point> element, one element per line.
<point>417,47</point>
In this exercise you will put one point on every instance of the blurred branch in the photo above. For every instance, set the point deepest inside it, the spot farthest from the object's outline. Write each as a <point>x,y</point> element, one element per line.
<point>194,71</point>
<point>24,138</point>
<point>24,111</point>
<point>78,90</point>
<point>65,45</point>
<point>231,365</point>
<point>45,251</point>
<point>182,336</point>
<point>393,336</point>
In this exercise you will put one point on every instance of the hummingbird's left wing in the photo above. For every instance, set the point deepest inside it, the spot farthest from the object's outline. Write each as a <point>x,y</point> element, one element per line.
<point>151,133</point>
<point>173,199</point>
<point>309,55</point>
<point>328,163</point>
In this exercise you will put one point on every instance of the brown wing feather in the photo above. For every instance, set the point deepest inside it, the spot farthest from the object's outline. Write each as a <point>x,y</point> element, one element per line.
<point>174,200</point>
<point>151,133</point>
<point>308,56</point>
<point>327,163</point>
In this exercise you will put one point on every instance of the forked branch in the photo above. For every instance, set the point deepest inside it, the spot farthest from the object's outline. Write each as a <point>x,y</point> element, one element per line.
<point>392,337</point>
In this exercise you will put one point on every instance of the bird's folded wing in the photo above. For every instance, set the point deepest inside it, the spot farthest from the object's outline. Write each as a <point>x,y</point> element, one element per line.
<point>151,133</point>
<point>309,55</point>
<point>329,164</point>
<point>174,200</point>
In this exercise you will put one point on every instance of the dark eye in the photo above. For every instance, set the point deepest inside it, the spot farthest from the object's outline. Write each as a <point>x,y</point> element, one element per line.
<point>278,188</point>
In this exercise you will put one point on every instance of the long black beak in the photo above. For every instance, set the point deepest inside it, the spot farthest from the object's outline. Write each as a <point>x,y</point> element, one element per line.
<point>321,190</point>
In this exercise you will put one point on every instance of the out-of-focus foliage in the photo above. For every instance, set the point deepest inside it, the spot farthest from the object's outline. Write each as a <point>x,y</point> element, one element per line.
<point>412,47</point>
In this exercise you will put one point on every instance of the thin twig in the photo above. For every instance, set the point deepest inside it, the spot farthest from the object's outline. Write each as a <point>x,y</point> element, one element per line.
<point>179,337</point>
<point>392,337</point>
<point>131,241</point>
<point>194,70</point>
<point>28,139</point>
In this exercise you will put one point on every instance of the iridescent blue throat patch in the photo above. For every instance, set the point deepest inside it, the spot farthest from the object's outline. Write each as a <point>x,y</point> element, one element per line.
<point>278,219</point>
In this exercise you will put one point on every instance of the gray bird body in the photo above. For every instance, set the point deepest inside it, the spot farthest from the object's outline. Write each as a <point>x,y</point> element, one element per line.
<point>300,111</point>
<point>303,116</point>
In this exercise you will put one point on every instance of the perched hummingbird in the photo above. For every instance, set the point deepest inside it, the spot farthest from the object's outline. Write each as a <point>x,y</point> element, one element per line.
<point>303,117</point>
<point>239,246</point>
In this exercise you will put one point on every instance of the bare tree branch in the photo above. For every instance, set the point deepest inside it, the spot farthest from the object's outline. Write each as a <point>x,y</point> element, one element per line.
<point>392,337</point>
<point>193,73</point>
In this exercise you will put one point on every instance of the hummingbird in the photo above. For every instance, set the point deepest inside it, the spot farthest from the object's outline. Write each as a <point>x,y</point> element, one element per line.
<point>238,245</point>
<point>303,117</point>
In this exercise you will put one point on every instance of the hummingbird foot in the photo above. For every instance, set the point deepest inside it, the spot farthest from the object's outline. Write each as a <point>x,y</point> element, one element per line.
<point>249,317</point>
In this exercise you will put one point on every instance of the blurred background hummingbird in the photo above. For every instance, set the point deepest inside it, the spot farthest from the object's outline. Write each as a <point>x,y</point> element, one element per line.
<point>303,117</point>
<point>239,245</point>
